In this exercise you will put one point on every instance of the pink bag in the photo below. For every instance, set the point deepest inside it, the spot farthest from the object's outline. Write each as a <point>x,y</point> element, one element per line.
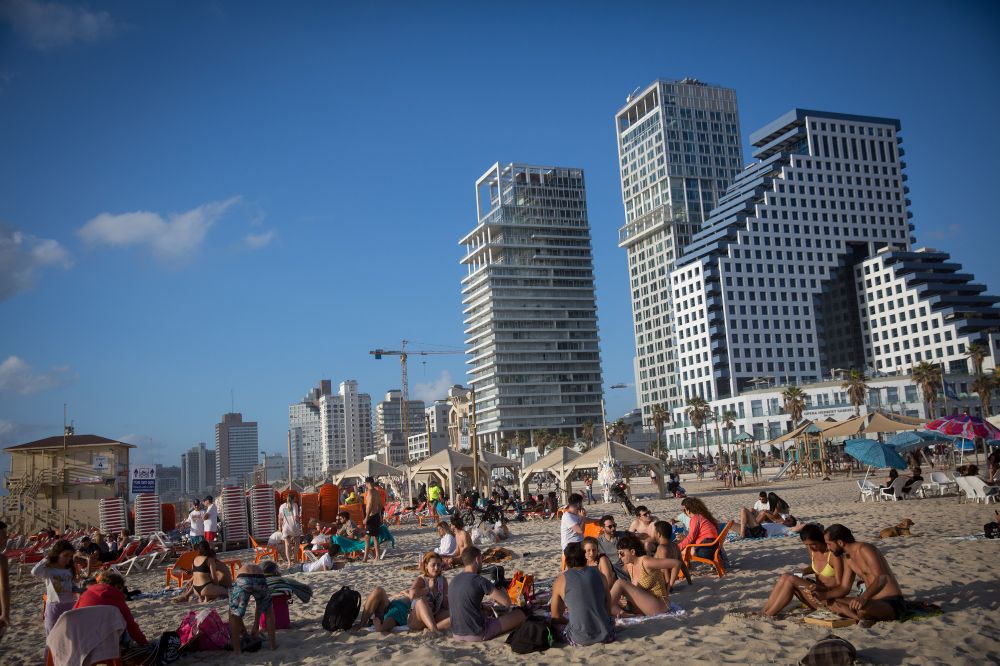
<point>205,627</point>
<point>280,604</point>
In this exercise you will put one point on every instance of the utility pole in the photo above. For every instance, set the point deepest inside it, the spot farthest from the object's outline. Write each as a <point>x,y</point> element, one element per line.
<point>289,462</point>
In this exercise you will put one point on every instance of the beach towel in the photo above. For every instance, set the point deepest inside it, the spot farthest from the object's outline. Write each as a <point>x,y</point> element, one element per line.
<point>278,585</point>
<point>673,611</point>
<point>920,610</point>
<point>356,546</point>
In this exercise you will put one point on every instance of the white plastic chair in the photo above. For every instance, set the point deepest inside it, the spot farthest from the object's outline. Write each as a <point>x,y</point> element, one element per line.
<point>868,490</point>
<point>895,491</point>
<point>944,483</point>
<point>982,491</point>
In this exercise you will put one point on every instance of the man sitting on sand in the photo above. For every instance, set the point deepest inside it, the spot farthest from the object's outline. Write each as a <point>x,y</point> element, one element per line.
<point>749,528</point>
<point>465,598</point>
<point>462,539</point>
<point>882,598</point>
<point>580,590</point>
<point>642,527</point>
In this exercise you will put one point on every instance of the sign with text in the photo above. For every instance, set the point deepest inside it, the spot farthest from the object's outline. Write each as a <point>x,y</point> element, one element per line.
<point>102,463</point>
<point>143,479</point>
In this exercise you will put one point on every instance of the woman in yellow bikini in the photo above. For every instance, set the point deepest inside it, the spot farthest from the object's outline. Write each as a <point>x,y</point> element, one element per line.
<point>646,591</point>
<point>827,567</point>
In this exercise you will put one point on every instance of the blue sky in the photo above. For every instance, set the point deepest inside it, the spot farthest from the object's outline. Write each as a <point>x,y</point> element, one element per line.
<point>204,197</point>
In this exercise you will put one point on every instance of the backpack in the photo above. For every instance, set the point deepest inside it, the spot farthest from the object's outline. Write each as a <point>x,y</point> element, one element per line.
<point>992,530</point>
<point>830,651</point>
<point>342,609</point>
<point>495,574</point>
<point>203,630</point>
<point>532,636</point>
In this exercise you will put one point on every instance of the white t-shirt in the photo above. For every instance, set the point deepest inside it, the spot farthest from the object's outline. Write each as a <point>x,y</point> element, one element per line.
<point>566,533</point>
<point>761,505</point>
<point>775,529</point>
<point>290,514</point>
<point>324,563</point>
<point>320,541</point>
<point>197,520</point>
<point>212,518</point>
<point>447,546</point>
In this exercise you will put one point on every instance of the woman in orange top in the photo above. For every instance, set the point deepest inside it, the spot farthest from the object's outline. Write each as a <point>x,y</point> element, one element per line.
<point>703,528</point>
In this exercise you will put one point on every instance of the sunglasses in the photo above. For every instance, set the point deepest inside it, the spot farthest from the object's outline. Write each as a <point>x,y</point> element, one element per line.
<point>644,513</point>
<point>610,526</point>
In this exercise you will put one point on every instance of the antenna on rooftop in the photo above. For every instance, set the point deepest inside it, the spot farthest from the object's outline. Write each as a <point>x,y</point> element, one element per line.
<point>232,401</point>
<point>631,95</point>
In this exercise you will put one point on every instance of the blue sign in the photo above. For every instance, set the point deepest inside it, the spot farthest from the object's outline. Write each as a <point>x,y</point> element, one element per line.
<point>143,479</point>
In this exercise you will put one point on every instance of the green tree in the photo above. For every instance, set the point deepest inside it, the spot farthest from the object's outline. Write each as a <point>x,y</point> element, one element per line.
<point>983,386</point>
<point>697,412</point>
<point>977,353</point>
<point>660,418</point>
<point>928,377</point>
<point>587,433</point>
<point>541,439</point>
<point>856,386</point>
<point>520,443</point>
<point>795,403</point>
<point>562,439</point>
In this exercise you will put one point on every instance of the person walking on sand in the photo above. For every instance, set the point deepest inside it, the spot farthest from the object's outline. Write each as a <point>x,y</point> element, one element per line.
<point>290,526</point>
<point>882,598</point>
<point>373,517</point>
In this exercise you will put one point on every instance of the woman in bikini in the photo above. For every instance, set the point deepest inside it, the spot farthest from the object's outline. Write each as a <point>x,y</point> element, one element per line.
<point>646,592</point>
<point>827,567</point>
<point>595,558</point>
<point>210,578</point>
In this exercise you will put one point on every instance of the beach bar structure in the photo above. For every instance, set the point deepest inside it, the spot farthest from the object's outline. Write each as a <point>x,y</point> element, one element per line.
<point>61,480</point>
<point>623,455</point>
<point>447,464</point>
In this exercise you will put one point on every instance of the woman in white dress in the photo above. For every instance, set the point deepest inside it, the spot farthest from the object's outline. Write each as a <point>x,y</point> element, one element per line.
<point>290,526</point>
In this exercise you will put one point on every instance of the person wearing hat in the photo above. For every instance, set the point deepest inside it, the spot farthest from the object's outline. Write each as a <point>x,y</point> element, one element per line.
<point>211,518</point>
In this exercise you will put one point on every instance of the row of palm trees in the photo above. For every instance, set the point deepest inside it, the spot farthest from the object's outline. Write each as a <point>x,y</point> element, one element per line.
<point>545,440</point>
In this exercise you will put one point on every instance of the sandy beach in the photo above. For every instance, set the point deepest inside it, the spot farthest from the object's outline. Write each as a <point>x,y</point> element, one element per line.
<point>935,564</point>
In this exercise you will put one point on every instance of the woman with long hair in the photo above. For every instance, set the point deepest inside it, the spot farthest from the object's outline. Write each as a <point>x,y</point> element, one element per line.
<point>646,590</point>
<point>776,512</point>
<point>595,558</point>
<point>59,574</point>
<point>703,527</point>
<point>290,526</point>
<point>210,579</point>
<point>423,606</point>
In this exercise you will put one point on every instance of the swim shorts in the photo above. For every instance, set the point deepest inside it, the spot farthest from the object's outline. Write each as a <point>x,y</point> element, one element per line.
<point>372,524</point>
<point>245,587</point>
<point>398,611</point>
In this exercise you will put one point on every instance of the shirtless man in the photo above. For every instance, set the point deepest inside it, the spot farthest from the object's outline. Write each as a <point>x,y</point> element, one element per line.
<point>373,517</point>
<point>881,600</point>
<point>462,540</point>
<point>642,527</point>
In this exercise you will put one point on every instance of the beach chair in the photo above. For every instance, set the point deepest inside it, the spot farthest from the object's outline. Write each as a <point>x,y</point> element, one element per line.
<point>940,484</point>
<point>895,491</point>
<point>688,556</point>
<point>105,619</point>
<point>392,513</point>
<point>263,552</point>
<point>868,490</point>
<point>981,491</point>
<point>128,552</point>
<point>181,568</point>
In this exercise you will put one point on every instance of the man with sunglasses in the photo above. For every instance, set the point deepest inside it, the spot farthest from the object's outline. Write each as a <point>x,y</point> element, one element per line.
<point>608,543</point>
<point>643,528</point>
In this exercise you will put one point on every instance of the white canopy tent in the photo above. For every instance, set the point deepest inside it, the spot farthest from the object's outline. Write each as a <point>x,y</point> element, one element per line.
<point>445,465</point>
<point>623,455</point>
<point>556,461</point>
<point>366,468</point>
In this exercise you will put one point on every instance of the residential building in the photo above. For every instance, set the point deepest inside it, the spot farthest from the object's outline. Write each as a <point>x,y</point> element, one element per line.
<point>305,428</point>
<point>418,447</point>
<point>273,468</point>
<point>346,423</point>
<point>168,482</point>
<point>389,417</point>
<point>236,450</point>
<point>437,415</point>
<point>679,148</point>
<point>529,305</point>
<point>61,480</point>
<point>393,449</point>
<point>198,471</point>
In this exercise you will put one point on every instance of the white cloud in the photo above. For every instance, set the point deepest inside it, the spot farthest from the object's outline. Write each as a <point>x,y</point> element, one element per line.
<point>23,256</point>
<point>12,433</point>
<point>46,25</point>
<point>257,241</point>
<point>435,390</point>
<point>169,239</point>
<point>18,376</point>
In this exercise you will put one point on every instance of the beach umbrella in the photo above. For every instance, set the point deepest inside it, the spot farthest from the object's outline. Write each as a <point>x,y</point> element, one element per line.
<point>964,425</point>
<point>904,442</point>
<point>874,454</point>
<point>964,445</point>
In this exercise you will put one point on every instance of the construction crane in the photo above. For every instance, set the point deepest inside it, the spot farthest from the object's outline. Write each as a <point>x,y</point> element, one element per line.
<point>403,353</point>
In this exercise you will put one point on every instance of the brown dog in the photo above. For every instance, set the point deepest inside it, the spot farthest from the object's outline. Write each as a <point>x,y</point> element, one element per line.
<point>903,529</point>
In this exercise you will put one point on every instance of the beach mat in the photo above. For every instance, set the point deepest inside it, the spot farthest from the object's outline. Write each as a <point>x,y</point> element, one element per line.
<point>674,611</point>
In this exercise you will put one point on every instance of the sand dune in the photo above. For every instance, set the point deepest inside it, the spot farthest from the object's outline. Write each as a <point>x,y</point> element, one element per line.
<point>960,575</point>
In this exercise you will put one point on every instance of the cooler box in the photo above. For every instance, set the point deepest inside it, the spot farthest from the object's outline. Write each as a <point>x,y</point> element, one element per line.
<point>279,603</point>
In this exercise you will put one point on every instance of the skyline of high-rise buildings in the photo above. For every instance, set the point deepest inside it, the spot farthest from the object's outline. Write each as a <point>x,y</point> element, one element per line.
<point>236,449</point>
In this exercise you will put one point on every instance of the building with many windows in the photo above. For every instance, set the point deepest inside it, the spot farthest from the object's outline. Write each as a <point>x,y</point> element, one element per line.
<point>197,471</point>
<point>679,147</point>
<point>530,312</point>
<point>305,430</point>
<point>236,450</point>
<point>389,417</point>
<point>330,431</point>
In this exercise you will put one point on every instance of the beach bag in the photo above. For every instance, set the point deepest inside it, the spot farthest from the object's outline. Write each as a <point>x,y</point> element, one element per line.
<point>494,574</point>
<point>203,630</point>
<point>830,651</point>
<point>521,588</point>
<point>279,603</point>
<point>532,636</point>
<point>342,609</point>
<point>992,530</point>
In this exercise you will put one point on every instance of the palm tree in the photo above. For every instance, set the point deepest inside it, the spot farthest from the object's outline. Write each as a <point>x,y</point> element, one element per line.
<point>697,413</point>
<point>795,403</point>
<point>660,418</point>
<point>977,352</point>
<point>857,389</point>
<point>562,439</point>
<point>587,433</point>
<point>928,377</point>
<point>541,439</point>
<point>983,386</point>
<point>520,442</point>
<point>617,431</point>
<point>505,443</point>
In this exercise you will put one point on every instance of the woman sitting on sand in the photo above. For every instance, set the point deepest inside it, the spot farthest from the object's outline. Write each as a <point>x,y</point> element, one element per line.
<point>777,510</point>
<point>646,592</point>
<point>423,606</point>
<point>210,579</point>
<point>595,558</point>
<point>827,567</point>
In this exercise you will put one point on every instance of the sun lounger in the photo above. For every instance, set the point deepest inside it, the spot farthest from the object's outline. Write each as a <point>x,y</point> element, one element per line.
<point>868,490</point>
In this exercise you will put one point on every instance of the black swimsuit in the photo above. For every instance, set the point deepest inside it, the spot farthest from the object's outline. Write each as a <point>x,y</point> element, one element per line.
<point>201,568</point>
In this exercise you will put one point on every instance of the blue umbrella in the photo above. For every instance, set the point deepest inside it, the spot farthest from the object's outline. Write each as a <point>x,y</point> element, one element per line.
<point>964,445</point>
<point>904,442</point>
<point>874,453</point>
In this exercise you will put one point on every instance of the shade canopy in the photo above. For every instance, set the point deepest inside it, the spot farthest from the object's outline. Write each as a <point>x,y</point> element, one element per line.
<point>366,468</point>
<point>556,459</point>
<point>446,464</point>
<point>964,425</point>
<point>891,423</point>
<point>904,442</point>
<point>874,453</point>
<point>492,460</point>
<point>623,455</point>
<point>743,437</point>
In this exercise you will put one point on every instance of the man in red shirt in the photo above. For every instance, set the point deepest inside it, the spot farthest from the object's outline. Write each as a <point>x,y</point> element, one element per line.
<point>110,591</point>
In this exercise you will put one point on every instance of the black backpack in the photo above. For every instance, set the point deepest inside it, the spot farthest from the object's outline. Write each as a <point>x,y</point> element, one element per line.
<point>532,636</point>
<point>495,574</point>
<point>342,609</point>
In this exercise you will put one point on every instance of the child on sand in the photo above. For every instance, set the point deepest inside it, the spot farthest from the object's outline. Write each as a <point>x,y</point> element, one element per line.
<point>58,572</point>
